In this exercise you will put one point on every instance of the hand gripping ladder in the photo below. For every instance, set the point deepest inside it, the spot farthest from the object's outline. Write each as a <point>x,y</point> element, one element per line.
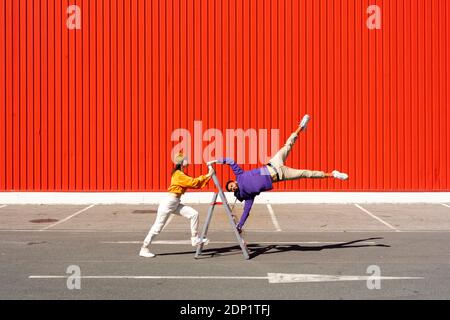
<point>228,212</point>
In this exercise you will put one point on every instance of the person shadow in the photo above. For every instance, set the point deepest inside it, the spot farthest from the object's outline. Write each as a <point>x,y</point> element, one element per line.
<point>256,249</point>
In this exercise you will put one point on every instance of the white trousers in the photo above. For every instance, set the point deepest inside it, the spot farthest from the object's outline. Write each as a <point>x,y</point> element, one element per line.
<point>171,205</point>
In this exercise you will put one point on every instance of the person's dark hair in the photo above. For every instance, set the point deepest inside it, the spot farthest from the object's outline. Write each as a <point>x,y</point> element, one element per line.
<point>236,193</point>
<point>177,167</point>
<point>228,184</point>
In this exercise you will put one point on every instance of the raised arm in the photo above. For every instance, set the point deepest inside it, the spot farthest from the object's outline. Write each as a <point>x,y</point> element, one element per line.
<point>186,181</point>
<point>234,166</point>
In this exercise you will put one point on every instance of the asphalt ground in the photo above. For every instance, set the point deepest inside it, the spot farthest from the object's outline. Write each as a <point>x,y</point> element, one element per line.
<point>297,252</point>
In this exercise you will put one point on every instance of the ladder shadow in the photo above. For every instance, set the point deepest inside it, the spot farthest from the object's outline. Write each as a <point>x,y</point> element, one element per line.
<point>257,249</point>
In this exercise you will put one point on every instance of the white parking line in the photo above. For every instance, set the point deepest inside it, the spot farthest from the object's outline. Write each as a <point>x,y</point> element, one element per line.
<point>152,277</point>
<point>375,217</point>
<point>2,206</point>
<point>274,218</point>
<point>445,205</point>
<point>188,242</point>
<point>69,217</point>
<point>272,278</point>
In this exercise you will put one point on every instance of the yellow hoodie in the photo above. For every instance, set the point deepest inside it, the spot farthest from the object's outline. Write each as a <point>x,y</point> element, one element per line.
<point>180,182</point>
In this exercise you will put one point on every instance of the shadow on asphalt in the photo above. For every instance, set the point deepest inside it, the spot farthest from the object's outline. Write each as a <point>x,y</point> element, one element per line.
<point>257,249</point>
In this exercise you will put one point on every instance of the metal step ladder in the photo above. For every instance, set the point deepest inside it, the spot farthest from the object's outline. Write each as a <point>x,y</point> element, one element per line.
<point>229,213</point>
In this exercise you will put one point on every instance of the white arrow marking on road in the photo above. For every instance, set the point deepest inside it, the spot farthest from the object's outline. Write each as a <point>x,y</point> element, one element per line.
<point>271,277</point>
<point>292,278</point>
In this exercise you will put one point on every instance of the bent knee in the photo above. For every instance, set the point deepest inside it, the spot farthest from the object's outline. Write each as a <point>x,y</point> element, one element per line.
<point>188,212</point>
<point>194,213</point>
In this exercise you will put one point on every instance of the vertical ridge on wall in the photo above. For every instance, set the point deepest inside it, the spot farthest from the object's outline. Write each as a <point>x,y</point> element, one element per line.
<point>3,96</point>
<point>93,109</point>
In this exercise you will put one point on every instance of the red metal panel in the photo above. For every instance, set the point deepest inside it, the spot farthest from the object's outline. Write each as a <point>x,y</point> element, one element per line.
<point>128,107</point>
<point>141,99</point>
<point>29,100</point>
<point>444,113</point>
<point>428,95</point>
<point>72,106</point>
<point>3,96</point>
<point>16,97</point>
<point>447,90</point>
<point>121,96</point>
<point>98,7</point>
<point>113,139</point>
<point>410,86</point>
<point>8,151</point>
<point>134,122</point>
<point>51,95</point>
<point>344,123</point>
<point>94,109</point>
<point>22,98</point>
<point>414,93</point>
<point>162,82</point>
<point>58,99</point>
<point>65,173</point>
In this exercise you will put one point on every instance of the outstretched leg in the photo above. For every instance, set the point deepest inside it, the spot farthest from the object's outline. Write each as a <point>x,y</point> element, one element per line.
<point>161,219</point>
<point>280,157</point>
<point>294,174</point>
<point>168,206</point>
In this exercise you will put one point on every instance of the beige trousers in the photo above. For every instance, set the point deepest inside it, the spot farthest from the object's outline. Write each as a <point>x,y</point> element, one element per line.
<point>171,205</point>
<point>286,173</point>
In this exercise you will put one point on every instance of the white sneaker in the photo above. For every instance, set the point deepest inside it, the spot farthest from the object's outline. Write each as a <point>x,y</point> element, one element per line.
<point>145,252</point>
<point>305,121</point>
<point>340,175</point>
<point>197,241</point>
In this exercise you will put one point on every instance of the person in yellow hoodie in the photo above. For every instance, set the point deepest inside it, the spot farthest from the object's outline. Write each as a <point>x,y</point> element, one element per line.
<point>171,204</point>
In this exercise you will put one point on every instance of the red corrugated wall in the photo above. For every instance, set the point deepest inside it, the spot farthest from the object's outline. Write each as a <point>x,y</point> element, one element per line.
<point>93,109</point>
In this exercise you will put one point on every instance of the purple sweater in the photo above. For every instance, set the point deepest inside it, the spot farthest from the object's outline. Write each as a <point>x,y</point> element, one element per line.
<point>251,183</point>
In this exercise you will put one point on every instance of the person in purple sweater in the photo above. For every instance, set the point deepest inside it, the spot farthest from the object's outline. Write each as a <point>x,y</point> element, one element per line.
<point>249,184</point>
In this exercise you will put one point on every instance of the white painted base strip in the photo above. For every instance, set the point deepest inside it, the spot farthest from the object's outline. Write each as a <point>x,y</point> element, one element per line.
<point>205,197</point>
<point>68,218</point>
<point>274,218</point>
<point>445,205</point>
<point>2,206</point>
<point>377,218</point>
<point>273,278</point>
